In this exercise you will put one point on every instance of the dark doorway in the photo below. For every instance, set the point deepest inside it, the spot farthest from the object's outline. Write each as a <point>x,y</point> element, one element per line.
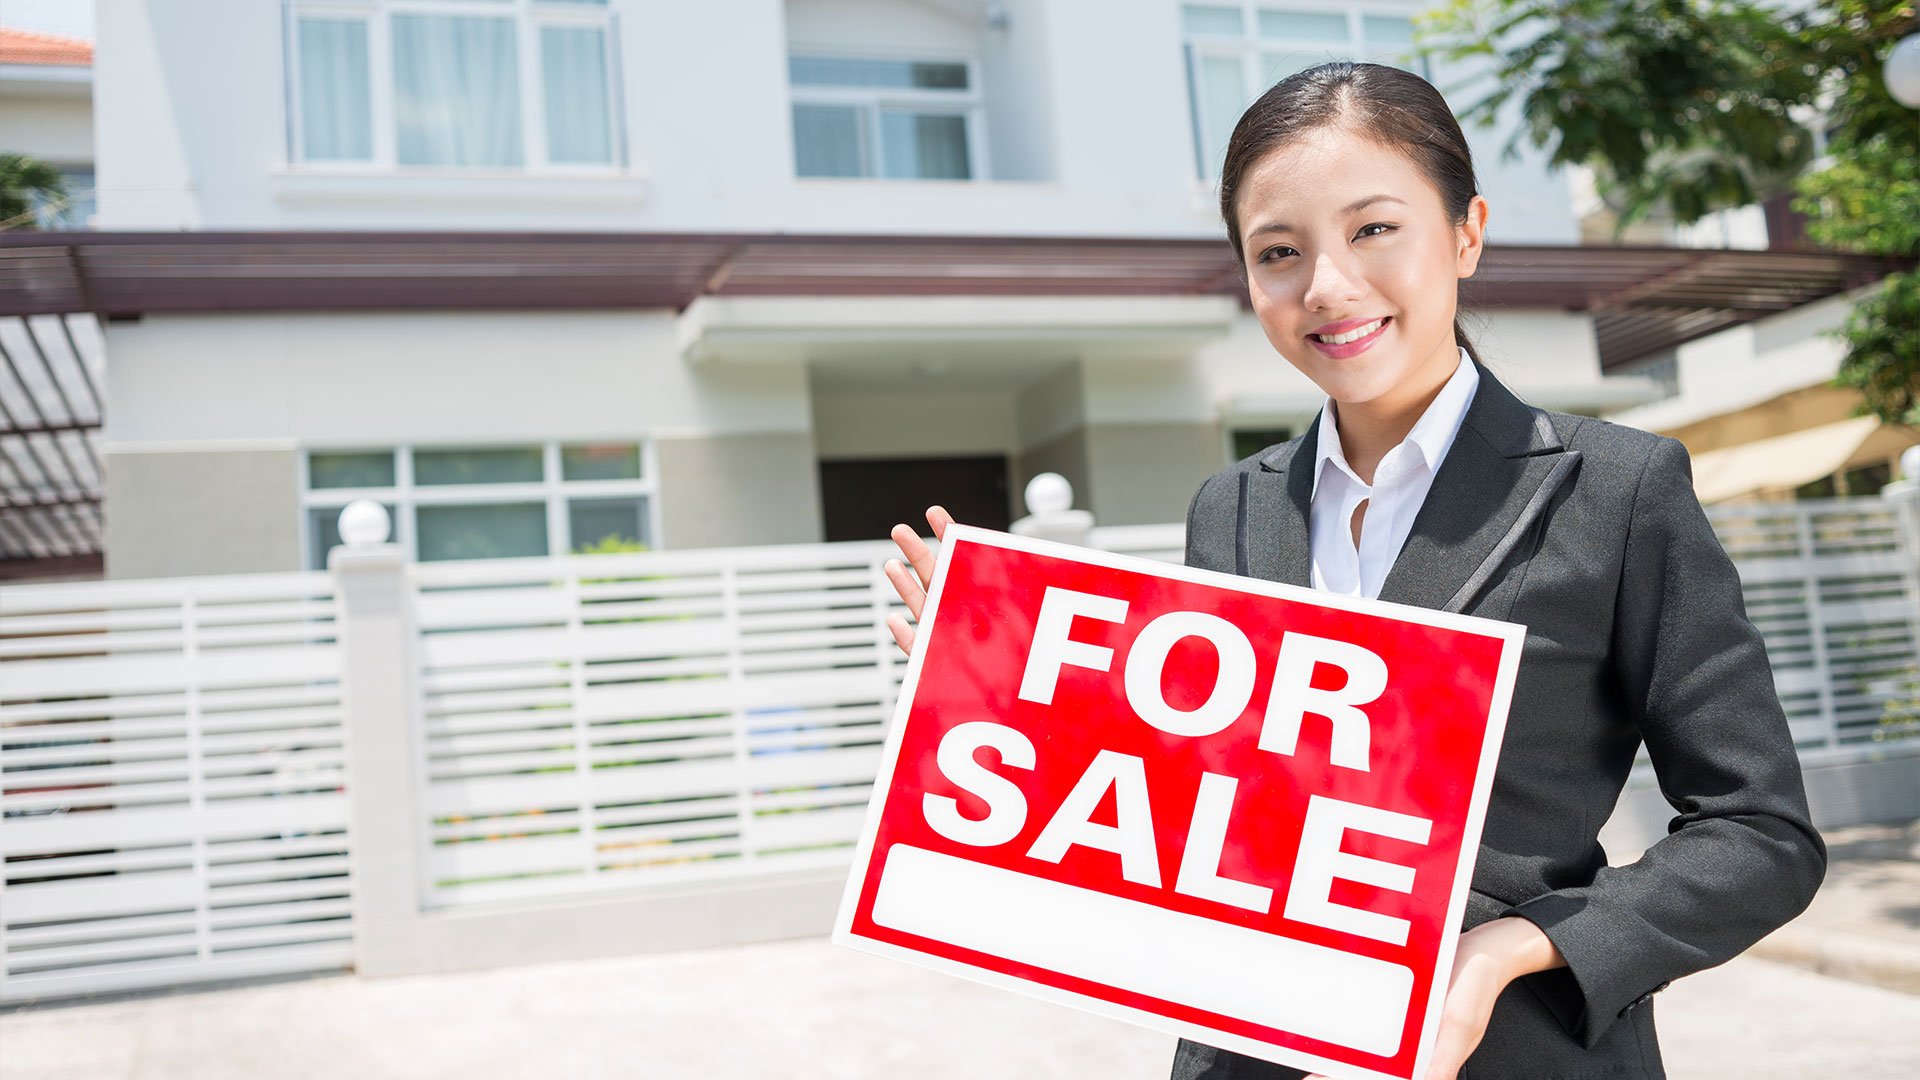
<point>864,499</point>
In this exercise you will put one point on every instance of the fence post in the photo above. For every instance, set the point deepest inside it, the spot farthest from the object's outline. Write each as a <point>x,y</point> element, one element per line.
<point>1050,512</point>
<point>1904,496</point>
<point>379,676</point>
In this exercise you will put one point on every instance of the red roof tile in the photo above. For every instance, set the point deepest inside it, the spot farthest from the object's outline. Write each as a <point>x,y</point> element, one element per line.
<point>53,50</point>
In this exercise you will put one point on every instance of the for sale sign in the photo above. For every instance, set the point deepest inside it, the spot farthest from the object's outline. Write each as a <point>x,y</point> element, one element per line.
<point>1235,810</point>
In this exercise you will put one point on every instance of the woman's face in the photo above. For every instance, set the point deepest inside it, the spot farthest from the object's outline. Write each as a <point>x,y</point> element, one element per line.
<point>1313,259</point>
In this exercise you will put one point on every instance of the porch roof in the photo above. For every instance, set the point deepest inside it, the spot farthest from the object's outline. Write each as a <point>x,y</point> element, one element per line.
<point>1643,299</point>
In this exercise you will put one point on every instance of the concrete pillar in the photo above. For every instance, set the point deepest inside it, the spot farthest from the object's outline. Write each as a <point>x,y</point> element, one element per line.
<point>380,695</point>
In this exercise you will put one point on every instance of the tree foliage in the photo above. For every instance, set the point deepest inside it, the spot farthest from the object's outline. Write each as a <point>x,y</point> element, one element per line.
<point>24,182</point>
<point>1692,106</point>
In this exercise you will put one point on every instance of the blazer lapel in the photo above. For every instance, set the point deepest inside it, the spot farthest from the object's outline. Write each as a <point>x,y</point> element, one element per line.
<point>1497,478</point>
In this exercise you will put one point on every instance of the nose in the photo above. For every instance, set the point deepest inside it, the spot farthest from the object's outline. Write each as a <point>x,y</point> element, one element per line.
<point>1332,286</point>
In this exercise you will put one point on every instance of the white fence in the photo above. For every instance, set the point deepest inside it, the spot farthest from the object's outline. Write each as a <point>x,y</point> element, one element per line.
<point>573,756</point>
<point>172,782</point>
<point>658,718</point>
<point>1831,586</point>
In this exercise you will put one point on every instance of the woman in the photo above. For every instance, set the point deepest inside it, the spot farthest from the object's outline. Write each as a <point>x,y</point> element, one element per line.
<point>1349,197</point>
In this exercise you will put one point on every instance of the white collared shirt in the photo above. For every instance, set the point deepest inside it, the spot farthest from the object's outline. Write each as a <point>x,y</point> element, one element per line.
<point>1400,484</point>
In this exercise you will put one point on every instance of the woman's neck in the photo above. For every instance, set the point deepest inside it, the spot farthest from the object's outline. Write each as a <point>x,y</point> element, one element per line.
<point>1368,429</point>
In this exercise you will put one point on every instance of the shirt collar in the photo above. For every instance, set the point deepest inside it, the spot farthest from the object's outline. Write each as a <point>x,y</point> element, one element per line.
<point>1433,433</point>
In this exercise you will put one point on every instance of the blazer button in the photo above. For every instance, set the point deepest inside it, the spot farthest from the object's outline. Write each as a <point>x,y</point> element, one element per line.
<point>1644,998</point>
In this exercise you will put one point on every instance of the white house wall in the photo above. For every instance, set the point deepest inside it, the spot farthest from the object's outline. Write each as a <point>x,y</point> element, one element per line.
<point>934,423</point>
<point>55,129</point>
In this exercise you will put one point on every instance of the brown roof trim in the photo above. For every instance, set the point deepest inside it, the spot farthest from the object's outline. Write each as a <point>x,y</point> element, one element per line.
<point>1644,299</point>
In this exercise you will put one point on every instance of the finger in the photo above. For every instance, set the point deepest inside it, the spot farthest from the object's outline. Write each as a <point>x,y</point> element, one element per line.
<point>902,633</point>
<point>907,586</point>
<point>916,551</point>
<point>939,519</point>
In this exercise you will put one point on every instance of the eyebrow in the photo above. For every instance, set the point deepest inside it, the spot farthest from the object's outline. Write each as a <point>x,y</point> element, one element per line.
<point>1357,204</point>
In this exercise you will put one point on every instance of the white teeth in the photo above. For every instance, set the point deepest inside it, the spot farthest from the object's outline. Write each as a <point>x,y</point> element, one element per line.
<point>1354,334</point>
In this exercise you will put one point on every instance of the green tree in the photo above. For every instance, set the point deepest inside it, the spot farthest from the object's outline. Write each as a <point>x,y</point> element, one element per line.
<point>1692,106</point>
<point>24,183</point>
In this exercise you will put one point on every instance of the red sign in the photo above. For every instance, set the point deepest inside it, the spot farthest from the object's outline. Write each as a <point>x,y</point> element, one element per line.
<point>1231,809</point>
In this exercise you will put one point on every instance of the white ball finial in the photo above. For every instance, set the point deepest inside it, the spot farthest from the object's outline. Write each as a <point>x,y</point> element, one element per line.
<point>1049,493</point>
<point>1902,71</point>
<point>1910,463</point>
<point>364,523</point>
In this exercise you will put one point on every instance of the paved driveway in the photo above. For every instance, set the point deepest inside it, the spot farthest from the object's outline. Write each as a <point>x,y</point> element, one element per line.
<point>806,1009</point>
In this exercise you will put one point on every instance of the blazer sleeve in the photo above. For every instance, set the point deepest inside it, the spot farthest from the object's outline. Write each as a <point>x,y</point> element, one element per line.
<point>1742,856</point>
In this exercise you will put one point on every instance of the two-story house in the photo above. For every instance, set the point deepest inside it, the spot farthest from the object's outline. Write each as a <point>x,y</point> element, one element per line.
<point>533,273</point>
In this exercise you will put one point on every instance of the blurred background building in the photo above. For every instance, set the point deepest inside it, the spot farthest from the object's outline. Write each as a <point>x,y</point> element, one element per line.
<point>536,272</point>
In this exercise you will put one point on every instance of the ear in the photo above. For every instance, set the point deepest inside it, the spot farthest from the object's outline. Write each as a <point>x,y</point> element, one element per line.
<point>1470,238</point>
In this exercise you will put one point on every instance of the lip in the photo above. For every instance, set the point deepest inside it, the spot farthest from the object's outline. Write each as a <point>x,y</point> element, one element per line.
<point>1351,348</point>
<point>1345,325</point>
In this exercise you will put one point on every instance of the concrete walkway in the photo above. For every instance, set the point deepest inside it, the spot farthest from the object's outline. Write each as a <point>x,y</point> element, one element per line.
<point>807,1009</point>
<point>1864,923</point>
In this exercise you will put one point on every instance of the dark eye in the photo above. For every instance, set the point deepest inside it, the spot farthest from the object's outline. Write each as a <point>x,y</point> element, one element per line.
<point>1273,252</point>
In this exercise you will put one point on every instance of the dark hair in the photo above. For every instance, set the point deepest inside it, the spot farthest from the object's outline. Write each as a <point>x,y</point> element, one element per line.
<point>1389,105</point>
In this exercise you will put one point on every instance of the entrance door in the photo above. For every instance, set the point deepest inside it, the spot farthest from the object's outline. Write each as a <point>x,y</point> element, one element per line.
<point>864,499</point>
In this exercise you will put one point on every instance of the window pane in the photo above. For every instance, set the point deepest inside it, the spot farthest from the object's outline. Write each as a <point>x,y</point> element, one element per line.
<point>1198,19</point>
<point>900,74</point>
<point>924,146</point>
<point>456,90</point>
<point>509,465</point>
<point>1250,441</point>
<point>592,521</point>
<point>1301,26</point>
<point>828,141</point>
<point>1219,99</point>
<point>355,469</point>
<point>573,61</point>
<point>603,461</point>
<point>323,525</point>
<point>482,532</point>
<point>77,209</point>
<point>336,104</point>
<point>1386,30</point>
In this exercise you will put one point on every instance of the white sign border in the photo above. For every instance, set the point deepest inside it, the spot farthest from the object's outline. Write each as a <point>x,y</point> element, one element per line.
<point>1511,635</point>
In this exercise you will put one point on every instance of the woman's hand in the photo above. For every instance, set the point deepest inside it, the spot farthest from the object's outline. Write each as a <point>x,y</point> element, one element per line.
<point>913,589</point>
<point>1489,957</point>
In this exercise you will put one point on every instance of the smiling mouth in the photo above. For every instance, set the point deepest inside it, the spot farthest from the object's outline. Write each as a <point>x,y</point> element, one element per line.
<point>1354,334</point>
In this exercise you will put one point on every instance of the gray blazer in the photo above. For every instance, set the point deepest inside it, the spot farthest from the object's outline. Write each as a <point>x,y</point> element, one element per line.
<point>1590,534</point>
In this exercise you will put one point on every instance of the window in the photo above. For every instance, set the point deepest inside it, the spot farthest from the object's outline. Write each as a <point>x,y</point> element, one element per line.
<point>509,84</point>
<point>77,210</point>
<point>1250,441</point>
<point>486,502</point>
<point>1236,51</point>
<point>895,119</point>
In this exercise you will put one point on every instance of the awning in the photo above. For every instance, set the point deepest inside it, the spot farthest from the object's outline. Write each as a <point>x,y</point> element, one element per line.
<point>1643,299</point>
<point>1783,461</point>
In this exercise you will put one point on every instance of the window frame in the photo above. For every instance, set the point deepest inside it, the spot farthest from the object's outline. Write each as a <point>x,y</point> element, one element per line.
<point>1249,46</point>
<point>969,104</point>
<point>529,17</point>
<point>552,490</point>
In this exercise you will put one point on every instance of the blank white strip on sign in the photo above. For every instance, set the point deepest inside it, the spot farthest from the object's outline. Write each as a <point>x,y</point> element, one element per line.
<point>1296,986</point>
